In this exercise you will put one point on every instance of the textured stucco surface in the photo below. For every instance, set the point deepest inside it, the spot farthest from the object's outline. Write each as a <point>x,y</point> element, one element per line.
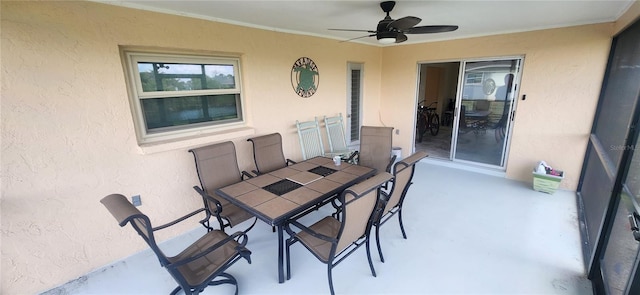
<point>562,73</point>
<point>68,137</point>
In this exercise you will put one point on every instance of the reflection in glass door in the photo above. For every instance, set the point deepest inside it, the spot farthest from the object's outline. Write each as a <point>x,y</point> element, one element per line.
<point>485,109</point>
<point>620,259</point>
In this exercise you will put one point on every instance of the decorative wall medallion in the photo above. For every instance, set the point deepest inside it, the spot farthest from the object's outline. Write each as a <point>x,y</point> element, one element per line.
<point>305,77</point>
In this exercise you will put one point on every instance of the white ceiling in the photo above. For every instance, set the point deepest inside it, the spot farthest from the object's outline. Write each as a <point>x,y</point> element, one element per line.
<point>475,17</point>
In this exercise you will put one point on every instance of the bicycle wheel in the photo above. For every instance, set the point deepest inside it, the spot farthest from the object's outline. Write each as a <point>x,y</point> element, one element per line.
<point>421,126</point>
<point>434,124</point>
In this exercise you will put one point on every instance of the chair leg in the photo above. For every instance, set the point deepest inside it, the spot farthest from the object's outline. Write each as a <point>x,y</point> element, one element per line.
<point>205,223</point>
<point>373,271</point>
<point>229,280</point>
<point>401,226</point>
<point>329,266</point>
<point>287,257</point>
<point>378,243</point>
<point>176,290</point>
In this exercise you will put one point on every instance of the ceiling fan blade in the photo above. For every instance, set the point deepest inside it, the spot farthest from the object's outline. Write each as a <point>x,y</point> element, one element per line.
<point>356,38</point>
<point>349,30</point>
<point>404,23</point>
<point>430,29</point>
<point>401,38</point>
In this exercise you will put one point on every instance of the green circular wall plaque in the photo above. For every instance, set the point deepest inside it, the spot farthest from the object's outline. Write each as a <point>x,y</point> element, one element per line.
<point>305,77</point>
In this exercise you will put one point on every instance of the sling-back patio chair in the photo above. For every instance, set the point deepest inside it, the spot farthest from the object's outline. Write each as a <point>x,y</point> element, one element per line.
<point>392,201</point>
<point>201,264</point>
<point>217,167</point>
<point>375,148</point>
<point>337,139</point>
<point>331,239</point>
<point>310,139</point>
<point>268,154</point>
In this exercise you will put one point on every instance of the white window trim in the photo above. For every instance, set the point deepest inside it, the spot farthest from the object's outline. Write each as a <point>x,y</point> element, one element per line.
<point>130,58</point>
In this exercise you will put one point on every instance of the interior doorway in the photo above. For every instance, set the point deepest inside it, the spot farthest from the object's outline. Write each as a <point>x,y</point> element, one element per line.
<point>438,83</point>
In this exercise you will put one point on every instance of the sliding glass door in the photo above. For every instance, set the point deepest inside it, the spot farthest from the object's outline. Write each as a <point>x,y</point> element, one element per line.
<point>484,110</point>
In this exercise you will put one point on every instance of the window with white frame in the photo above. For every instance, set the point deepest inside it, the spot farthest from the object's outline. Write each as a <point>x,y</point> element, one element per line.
<point>175,96</point>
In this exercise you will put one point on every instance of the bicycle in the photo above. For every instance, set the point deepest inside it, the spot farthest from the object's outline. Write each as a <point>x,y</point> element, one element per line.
<point>427,120</point>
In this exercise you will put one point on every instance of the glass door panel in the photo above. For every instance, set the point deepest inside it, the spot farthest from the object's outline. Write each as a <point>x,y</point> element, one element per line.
<point>484,110</point>
<point>620,257</point>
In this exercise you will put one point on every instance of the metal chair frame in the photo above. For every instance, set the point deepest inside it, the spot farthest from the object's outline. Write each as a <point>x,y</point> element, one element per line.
<point>402,179</point>
<point>267,153</point>
<point>180,265</point>
<point>223,154</point>
<point>350,196</point>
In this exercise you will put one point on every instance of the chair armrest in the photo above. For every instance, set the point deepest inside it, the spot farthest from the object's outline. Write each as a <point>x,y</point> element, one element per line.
<point>247,175</point>
<point>383,199</point>
<point>393,159</point>
<point>353,157</point>
<point>289,161</point>
<point>178,220</point>
<point>217,245</point>
<point>209,198</point>
<point>309,231</point>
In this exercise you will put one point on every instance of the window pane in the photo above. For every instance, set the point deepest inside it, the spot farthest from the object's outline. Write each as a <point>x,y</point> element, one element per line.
<point>355,105</point>
<point>185,77</point>
<point>178,111</point>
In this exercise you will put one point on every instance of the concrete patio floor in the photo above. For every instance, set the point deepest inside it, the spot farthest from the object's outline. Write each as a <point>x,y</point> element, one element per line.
<point>468,233</point>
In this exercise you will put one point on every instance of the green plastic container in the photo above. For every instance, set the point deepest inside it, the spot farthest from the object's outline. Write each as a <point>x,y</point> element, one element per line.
<point>546,183</point>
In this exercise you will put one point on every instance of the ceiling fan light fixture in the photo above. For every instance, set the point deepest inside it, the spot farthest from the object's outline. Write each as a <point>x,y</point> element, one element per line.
<point>386,37</point>
<point>387,40</point>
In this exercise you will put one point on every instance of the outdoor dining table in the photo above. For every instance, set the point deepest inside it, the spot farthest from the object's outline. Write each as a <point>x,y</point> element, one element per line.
<point>295,190</point>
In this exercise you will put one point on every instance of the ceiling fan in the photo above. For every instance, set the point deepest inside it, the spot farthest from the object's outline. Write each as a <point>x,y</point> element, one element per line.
<point>393,31</point>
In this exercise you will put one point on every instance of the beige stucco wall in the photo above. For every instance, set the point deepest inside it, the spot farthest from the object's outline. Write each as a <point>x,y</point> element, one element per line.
<point>68,138</point>
<point>562,74</point>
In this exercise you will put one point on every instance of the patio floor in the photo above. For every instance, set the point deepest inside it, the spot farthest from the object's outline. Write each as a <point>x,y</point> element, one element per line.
<point>468,233</point>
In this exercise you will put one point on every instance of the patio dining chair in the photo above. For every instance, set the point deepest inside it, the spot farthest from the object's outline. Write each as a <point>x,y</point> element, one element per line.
<point>375,148</point>
<point>310,139</point>
<point>331,239</point>
<point>199,265</point>
<point>337,139</point>
<point>217,166</point>
<point>403,172</point>
<point>268,154</point>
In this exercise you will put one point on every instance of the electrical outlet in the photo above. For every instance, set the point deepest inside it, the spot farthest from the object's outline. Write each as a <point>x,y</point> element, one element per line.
<point>136,201</point>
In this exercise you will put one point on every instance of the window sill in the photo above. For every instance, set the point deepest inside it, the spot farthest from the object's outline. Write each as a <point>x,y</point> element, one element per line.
<point>185,143</point>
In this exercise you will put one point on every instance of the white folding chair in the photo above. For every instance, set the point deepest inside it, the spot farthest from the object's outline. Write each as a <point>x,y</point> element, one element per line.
<point>337,139</point>
<point>310,139</point>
